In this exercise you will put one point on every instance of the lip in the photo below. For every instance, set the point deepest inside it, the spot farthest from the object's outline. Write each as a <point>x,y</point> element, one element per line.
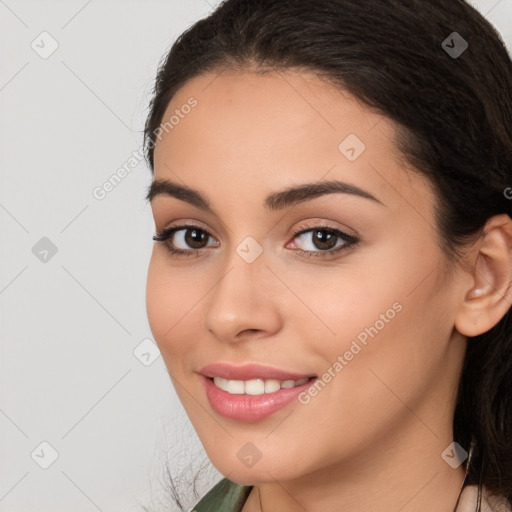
<point>250,408</point>
<point>249,371</point>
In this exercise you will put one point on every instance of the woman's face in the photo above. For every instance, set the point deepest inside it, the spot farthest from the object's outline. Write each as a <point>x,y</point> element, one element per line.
<point>359,298</point>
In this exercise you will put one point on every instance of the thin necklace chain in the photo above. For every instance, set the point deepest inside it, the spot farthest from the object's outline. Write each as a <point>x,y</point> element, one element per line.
<point>461,487</point>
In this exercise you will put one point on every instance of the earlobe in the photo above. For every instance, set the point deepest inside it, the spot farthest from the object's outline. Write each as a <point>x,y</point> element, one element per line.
<point>490,296</point>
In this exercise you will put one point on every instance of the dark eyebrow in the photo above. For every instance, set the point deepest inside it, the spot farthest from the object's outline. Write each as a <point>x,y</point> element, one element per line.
<point>275,201</point>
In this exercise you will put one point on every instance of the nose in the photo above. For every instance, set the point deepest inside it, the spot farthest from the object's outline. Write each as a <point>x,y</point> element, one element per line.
<point>243,305</point>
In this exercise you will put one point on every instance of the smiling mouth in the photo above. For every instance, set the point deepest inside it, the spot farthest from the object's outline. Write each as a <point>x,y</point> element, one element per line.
<point>257,386</point>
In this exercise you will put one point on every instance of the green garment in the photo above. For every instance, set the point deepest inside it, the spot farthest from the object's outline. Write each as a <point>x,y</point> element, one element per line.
<point>225,496</point>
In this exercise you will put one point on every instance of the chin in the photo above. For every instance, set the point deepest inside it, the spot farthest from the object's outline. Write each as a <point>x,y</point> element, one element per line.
<point>263,471</point>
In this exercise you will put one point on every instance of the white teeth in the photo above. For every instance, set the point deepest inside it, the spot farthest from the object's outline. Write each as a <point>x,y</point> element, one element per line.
<point>272,385</point>
<point>255,386</point>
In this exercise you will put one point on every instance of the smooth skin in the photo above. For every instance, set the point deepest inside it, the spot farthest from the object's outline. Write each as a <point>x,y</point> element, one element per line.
<point>372,439</point>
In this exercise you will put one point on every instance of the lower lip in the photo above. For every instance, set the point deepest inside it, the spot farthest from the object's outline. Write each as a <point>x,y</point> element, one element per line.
<point>250,408</point>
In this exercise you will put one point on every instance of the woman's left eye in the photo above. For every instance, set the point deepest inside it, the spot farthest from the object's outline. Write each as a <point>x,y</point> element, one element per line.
<point>323,241</point>
<point>320,241</point>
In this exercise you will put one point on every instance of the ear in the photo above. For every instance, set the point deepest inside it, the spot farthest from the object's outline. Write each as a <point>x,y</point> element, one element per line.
<point>490,296</point>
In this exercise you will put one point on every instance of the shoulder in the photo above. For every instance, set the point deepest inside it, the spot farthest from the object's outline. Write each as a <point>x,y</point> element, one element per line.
<point>469,500</point>
<point>226,493</point>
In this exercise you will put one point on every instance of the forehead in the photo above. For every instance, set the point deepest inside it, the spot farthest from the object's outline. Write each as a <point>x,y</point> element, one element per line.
<point>278,128</point>
<point>264,110</point>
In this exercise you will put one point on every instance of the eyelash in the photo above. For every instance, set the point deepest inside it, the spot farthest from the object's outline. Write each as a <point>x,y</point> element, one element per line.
<point>350,240</point>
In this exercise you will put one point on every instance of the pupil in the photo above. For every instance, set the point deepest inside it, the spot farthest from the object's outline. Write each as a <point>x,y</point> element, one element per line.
<point>195,238</point>
<point>320,241</point>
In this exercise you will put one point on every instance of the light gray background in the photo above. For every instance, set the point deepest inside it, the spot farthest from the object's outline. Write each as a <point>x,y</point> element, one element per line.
<point>70,325</point>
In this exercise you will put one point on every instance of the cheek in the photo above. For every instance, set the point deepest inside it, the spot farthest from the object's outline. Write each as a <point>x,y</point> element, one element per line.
<point>157,300</point>
<point>387,314</point>
<point>169,302</point>
<point>342,304</point>
<point>394,346</point>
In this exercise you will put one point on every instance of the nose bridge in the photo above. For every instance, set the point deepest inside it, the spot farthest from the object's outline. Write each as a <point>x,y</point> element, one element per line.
<point>243,268</point>
<point>240,298</point>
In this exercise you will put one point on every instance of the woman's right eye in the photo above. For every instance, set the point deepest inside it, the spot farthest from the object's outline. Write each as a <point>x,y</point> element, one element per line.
<point>191,239</point>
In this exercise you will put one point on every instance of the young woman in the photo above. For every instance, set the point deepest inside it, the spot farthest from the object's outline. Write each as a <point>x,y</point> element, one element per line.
<point>330,285</point>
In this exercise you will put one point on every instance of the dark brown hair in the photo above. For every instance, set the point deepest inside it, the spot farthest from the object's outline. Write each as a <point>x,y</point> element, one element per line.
<point>453,115</point>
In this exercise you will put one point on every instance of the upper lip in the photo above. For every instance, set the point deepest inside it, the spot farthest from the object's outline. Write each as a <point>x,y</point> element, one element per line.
<point>249,372</point>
